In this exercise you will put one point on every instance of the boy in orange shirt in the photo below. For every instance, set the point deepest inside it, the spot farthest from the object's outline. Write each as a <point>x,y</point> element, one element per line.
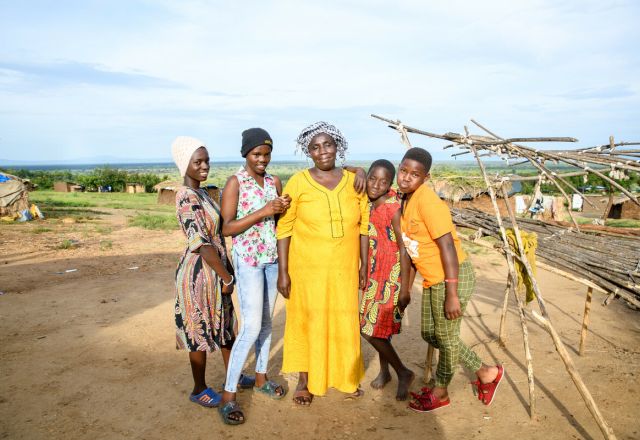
<point>431,241</point>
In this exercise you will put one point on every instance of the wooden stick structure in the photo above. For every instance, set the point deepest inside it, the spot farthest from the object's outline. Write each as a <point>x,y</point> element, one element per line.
<point>611,276</point>
<point>512,284</point>
<point>607,432</point>
<point>585,320</point>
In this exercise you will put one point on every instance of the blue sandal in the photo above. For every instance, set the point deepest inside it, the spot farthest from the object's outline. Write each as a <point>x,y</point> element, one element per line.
<point>245,382</point>
<point>208,398</point>
<point>229,408</point>
<point>270,389</point>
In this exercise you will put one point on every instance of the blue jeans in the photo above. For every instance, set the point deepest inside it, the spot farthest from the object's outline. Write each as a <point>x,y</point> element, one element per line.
<point>257,293</point>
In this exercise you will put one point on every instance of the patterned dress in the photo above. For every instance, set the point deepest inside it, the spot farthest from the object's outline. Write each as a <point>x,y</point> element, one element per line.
<point>204,316</point>
<point>379,313</point>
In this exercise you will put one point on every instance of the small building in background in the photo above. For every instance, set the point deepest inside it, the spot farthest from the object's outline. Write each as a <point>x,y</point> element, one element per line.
<point>167,192</point>
<point>134,188</point>
<point>624,208</point>
<point>67,187</point>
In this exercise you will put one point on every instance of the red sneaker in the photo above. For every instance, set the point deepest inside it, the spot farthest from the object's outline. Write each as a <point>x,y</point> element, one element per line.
<point>423,391</point>
<point>487,391</point>
<point>427,402</point>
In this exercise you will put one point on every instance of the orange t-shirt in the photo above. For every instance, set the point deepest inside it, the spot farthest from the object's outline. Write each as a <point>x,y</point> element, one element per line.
<point>426,218</point>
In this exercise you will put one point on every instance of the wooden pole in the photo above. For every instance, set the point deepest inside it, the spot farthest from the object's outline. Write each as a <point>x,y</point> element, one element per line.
<point>428,365</point>
<point>502,334</point>
<point>514,278</point>
<point>571,369</point>
<point>585,320</point>
<point>605,214</point>
<point>527,353</point>
<point>534,195</point>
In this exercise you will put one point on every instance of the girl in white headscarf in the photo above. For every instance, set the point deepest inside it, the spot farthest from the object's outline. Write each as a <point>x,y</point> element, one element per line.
<point>204,279</point>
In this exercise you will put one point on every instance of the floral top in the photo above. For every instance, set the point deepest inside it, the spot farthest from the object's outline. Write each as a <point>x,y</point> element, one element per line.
<point>256,245</point>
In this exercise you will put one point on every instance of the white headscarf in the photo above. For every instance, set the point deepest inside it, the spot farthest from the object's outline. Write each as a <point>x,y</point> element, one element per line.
<point>182,149</point>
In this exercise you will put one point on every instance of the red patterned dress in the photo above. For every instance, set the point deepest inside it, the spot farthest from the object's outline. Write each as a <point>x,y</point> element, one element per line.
<point>379,313</point>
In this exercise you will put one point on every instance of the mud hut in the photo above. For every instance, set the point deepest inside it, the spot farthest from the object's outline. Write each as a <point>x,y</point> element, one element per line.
<point>167,192</point>
<point>61,186</point>
<point>135,188</point>
<point>470,193</point>
<point>624,208</point>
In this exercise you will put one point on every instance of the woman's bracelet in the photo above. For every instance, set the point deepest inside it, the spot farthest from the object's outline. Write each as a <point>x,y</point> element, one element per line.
<point>451,280</point>
<point>229,283</point>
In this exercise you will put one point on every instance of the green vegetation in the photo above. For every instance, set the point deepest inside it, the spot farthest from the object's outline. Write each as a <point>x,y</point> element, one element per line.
<point>623,223</point>
<point>106,245</point>
<point>105,230</point>
<point>78,214</point>
<point>154,221</point>
<point>40,230</point>
<point>142,201</point>
<point>67,244</point>
<point>44,179</point>
<point>91,180</point>
<point>473,249</point>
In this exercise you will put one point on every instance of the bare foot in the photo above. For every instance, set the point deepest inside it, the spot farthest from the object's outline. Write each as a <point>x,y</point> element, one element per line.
<point>405,379</point>
<point>302,397</point>
<point>355,395</point>
<point>381,380</point>
<point>487,374</point>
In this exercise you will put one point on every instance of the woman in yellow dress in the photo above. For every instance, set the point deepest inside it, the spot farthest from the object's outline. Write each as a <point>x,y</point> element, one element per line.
<point>322,252</point>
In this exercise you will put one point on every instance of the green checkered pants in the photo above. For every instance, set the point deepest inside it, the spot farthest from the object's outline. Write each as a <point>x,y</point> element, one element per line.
<point>444,334</point>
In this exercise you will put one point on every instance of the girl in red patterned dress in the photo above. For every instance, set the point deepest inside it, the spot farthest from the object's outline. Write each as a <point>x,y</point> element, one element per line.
<point>387,292</point>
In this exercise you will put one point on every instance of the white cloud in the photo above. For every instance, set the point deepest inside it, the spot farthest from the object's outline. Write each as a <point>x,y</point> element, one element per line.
<point>215,67</point>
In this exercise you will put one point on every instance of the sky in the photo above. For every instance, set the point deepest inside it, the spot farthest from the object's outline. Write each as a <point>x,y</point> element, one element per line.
<point>121,79</point>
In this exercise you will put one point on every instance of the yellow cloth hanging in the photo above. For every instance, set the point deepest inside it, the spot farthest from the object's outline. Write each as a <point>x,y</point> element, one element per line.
<point>529,243</point>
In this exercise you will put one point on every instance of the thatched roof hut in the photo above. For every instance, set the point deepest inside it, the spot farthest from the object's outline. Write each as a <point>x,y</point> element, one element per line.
<point>167,192</point>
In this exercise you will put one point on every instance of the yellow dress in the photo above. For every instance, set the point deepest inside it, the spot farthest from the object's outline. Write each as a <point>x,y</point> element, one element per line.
<point>322,333</point>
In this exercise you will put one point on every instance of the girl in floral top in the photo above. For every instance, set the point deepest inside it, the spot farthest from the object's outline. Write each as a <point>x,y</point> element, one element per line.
<point>250,201</point>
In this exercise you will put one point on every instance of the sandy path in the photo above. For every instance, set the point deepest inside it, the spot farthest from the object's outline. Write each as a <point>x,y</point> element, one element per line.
<point>90,354</point>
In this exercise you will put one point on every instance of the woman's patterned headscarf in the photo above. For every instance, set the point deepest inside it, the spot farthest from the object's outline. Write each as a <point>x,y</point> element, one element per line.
<point>303,141</point>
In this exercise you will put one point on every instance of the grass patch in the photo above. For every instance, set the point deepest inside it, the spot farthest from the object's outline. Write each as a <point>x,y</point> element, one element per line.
<point>614,222</point>
<point>623,223</point>
<point>473,249</point>
<point>154,221</point>
<point>51,202</point>
<point>40,230</point>
<point>67,244</point>
<point>140,201</point>
<point>106,245</point>
<point>79,215</point>
<point>104,230</point>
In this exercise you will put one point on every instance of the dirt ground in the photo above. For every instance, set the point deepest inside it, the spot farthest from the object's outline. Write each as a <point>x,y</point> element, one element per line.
<point>90,354</point>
